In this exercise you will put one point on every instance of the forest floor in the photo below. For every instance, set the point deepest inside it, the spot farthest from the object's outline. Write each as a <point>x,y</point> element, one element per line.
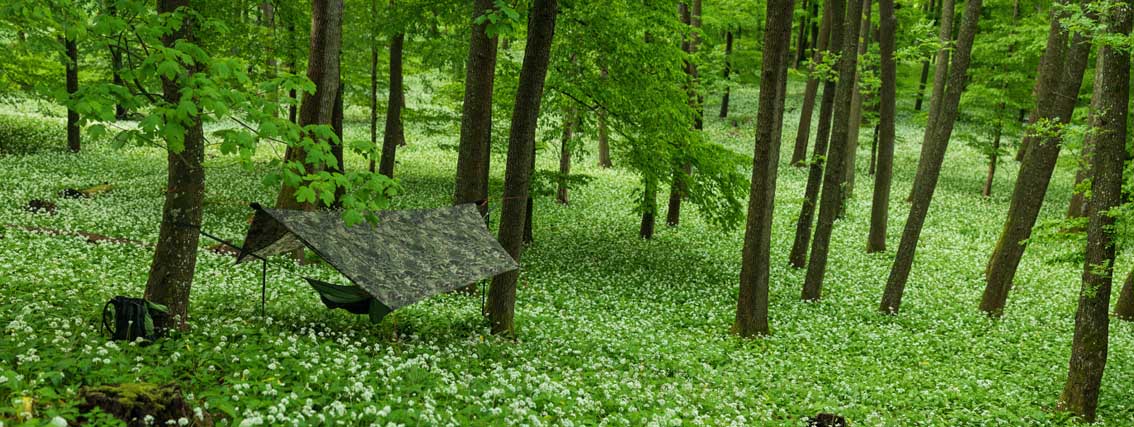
<point>613,330</point>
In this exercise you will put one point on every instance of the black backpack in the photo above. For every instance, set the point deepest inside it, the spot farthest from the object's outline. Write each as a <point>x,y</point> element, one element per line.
<point>127,319</point>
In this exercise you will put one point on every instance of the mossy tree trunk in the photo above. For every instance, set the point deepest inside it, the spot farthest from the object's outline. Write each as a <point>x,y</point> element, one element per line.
<point>1060,78</point>
<point>1092,323</point>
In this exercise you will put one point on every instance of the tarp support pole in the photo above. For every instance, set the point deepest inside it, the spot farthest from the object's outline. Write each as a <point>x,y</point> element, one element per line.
<point>263,286</point>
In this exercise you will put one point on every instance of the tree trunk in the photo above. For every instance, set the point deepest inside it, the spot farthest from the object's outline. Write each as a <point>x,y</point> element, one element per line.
<point>292,67</point>
<point>394,135</point>
<point>887,112</point>
<point>175,258</point>
<point>1077,208</point>
<point>727,73</point>
<point>1056,50</point>
<point>834,28</point>
<point>1124,308</point>
<point>1061,77</point>
<point>475,149</point>
<point>561,193</point>
<point>338,147</point>
<point>940,74</point>
<point>116,64</point>
<point>834,174</point>
<point>752,302</point>
<point>931,8</point>
<point>873,151</point>
<point>323,69</point>
<point>649,209</point>
<point>1092,323</point>
<point>993,159</point>
<point>943,115</point>
<point>803,132</point>
<point>517,176</point>
<point>529,208</point>
<point>692,17</point>
<point>74,136</point>
<point>855,114</point>
<point>373,87</point>
<point>801,39</point>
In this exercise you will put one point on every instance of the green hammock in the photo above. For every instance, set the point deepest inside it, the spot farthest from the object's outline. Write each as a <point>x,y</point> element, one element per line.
<point>349,298</point>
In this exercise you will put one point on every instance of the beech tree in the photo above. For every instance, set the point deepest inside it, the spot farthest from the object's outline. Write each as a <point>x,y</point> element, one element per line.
<point>394,135</point>
<point>833,173</point>
<point>475,150</point>
<point>691,16</point>
<point>752,302</point>
<point>1061,74</point>
<point>517,176</point>
<point>880,207</point>
<point>1092,323</point>
<point>814,76</point>
<point>942,115</point>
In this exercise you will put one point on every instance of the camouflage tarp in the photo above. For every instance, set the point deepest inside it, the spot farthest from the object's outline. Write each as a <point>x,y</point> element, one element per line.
<point>408,256</point>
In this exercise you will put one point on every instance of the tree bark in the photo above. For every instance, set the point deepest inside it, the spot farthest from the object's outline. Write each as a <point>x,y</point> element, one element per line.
<point>517,176</point>
<point>803,132</point>
<point>394,134</point>
<point>175,258</point>
<point>833,175</point>
<point>323,69</point>
<point>834,28</point>
<point>649,209</point>
<point>1077,207</point>
<point>1061,77</point>
<point>374,87</point>
<point>943,115</point>
<point>1092,323</point>
<point>692,17</point>
<point>727,73</point>
<point>993,159</point>
<point>1124,308</point>
<point>561,193</point>
<point>940,74</point>
<point>475,150</point>
<point>116,64</point>
<point>801,39</point>
<point>752,302</point>
<point>931,8</point>
<point>887,112</point>
<point>855,113</point>
<point>74,135</point>
<point>1054,53</point>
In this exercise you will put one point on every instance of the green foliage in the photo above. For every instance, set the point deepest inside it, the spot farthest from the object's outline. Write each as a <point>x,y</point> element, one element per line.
<point>26,134</point>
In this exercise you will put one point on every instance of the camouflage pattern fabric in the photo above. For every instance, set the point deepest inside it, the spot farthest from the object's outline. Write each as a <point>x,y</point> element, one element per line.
<point>408,256</point>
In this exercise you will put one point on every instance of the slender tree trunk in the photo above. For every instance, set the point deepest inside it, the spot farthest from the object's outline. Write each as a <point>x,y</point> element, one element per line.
<point>1092,323</point>
<point>940,74</point>
<point>943,115</point>
<point>803,132</point>
<point>322,68</point>
<point>116,65</point>
<point>801,39</point>
<point>873,151</point>
<point>603,140</point>
<point>834,174</point>
<point>727,73</point>
<point>887,112</point>
<point>692,17</point>
<point>798,256</point>
<point>175,258</point>
<point>649,209</point>
<point>475,149</point>
<point>293,67</point>
<point>752,302</point>
<point>374,88</point>
<point>855,113</point>
<point>394,134</point>
<point>517,176</point>
<point>529,208</point>
<point>1062,77</point>
<point>561,193</point>
<point>74,135</point>
<point>993,159</point>
<point>1124,308</point>
<point>931,8</point>
<point>1077,208</point>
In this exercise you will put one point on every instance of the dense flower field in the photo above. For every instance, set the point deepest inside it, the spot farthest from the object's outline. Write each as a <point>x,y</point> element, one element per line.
<point>613,330</point>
